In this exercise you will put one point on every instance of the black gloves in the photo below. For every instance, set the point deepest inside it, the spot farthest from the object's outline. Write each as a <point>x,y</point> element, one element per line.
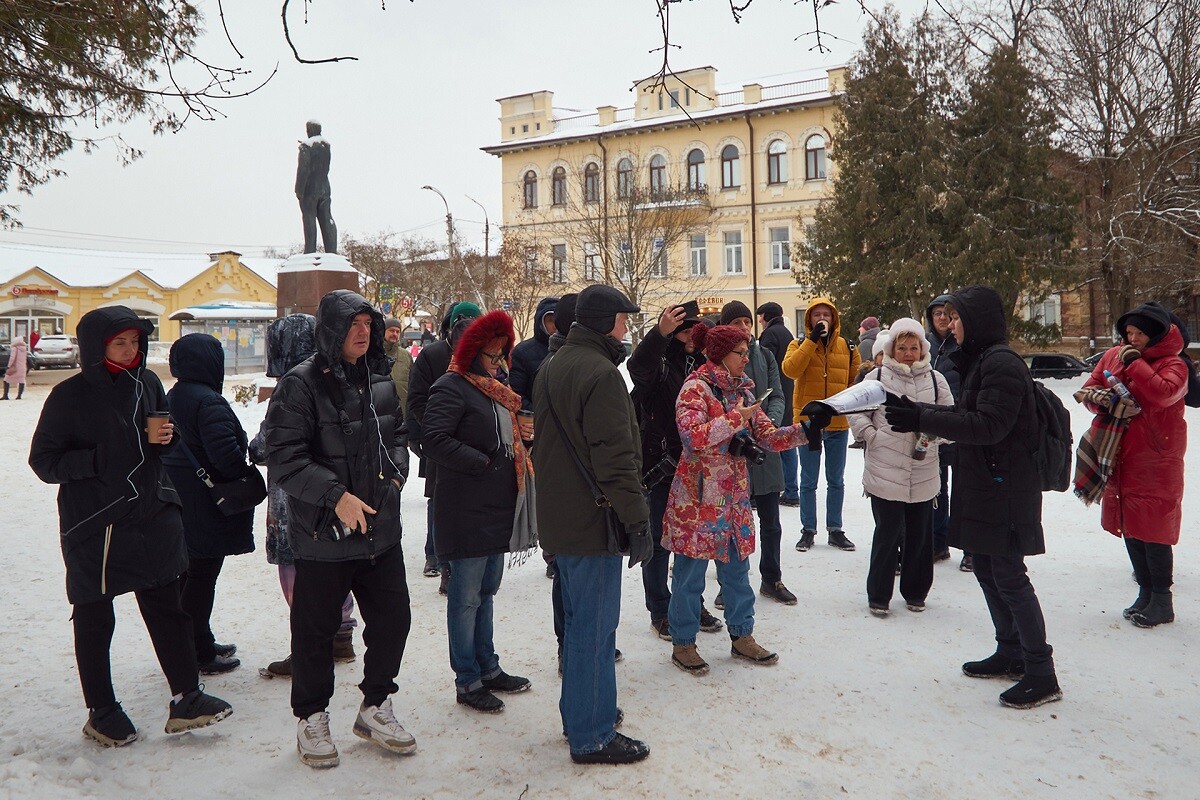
<point>1128,354</point>
<point>819,332</point>
<point>902,414</point>
<point>641,548</point>
<point>813,434</point>
<point>820,418</point>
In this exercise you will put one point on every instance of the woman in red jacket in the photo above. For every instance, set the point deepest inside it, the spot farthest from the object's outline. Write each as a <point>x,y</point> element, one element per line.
<point>1142,500</point>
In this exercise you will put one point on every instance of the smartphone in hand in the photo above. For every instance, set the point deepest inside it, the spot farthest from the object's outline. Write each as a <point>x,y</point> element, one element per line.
<point>764,395</point>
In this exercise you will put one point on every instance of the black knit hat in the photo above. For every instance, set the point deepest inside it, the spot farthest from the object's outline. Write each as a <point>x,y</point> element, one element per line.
<point>597,307</point>
<point>564,313</point>
<point>735,309</point>
<point>392,322</point>
<point>770,311</point>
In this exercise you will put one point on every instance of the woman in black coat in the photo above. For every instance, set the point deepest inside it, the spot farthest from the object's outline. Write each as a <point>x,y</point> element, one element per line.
<point>482,499</point>
<point>119,519</point>
<point>217,441</point>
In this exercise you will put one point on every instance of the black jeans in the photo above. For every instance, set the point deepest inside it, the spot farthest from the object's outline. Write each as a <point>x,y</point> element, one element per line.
<point>169,628</point>
<point>770,531</point>
<point>381,589</point>
<point>654,571</point>
<point>1153,564</point>
<point>907,526</point>
<point>198,590</point>
<point>1016,612</point>
<point>941,509</point>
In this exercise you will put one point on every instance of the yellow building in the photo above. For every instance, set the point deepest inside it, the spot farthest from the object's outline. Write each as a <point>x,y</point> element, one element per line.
<point>48,289</point>
<point>692,193</point>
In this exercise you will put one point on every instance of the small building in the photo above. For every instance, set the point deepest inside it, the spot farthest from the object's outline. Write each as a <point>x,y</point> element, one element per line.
<point>240,326</point>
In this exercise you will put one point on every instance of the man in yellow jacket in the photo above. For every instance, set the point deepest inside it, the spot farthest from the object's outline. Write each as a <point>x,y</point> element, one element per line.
<point>822,363</point>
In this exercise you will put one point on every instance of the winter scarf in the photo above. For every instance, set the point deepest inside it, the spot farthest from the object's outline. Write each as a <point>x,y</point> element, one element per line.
<point>1098,448</point>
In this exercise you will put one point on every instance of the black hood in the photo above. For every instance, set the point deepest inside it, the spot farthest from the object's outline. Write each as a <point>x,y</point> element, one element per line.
<point>96,326</point>
<point>290,340</point>
<point>337,310</point>
<point>547,305</point>
<point>199,358</point>
<point>1159,314</point>
<point>983,319</point>
<point>940,300</point>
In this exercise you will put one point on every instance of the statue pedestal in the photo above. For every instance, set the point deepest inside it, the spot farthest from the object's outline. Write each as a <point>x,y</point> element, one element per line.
<point>307,277</point>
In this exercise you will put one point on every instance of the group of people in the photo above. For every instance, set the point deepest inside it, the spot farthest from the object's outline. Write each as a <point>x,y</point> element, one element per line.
<point>540,443</point>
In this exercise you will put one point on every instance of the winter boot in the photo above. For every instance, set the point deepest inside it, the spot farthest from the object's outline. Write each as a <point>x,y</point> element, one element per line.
<point>838,539</point>
<point>444,586</point>
<point>745,647</point>
<point>806,540</point>
<point>709,623</point>
<point>1158,612</point>
<point>196,710</point>
<point>509,684</point>
<point>1143,600</point>
<point>995,666</point>
<point>277,669</point>
<point>20,390</point>
<point>110,726</point>
<point>431,568</point>
<point>480,700</point>
<point>219,664</point>
<point>343,647</point>
<point>1032,690</point>
<point>687,658</point>
<point>5,391</point>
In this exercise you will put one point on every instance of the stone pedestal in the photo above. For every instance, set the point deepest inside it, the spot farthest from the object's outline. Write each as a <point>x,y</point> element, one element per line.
<point>307,277</point>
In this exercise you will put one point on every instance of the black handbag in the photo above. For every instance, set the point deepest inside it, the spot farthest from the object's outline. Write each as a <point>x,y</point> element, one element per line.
<point>231,497</point>
<point>618,537</point>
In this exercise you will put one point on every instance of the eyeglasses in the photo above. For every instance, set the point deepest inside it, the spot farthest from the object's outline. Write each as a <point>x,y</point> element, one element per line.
<point>494,358</point>
<point>742,354</point>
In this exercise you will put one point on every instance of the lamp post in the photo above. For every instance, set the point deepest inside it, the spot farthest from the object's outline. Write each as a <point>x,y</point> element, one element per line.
<point>450,243</point>
<point>487,265</point>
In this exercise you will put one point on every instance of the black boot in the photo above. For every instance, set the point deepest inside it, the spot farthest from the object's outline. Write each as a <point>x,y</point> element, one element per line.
<point>995,666</point>
<point>5,391</point>
<point>1143,600</point>
<point>1158,612</point>
<point>20,390</point>
<point>1032,690</point>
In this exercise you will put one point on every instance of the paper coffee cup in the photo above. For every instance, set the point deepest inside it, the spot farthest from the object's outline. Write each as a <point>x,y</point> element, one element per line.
<point>154,423</point>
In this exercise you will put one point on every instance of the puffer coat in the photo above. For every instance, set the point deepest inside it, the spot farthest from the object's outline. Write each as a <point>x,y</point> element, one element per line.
<point>709,503</point>
<point>820,369</point>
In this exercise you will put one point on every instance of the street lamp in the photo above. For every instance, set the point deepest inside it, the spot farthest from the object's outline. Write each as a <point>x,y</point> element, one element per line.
<point>450,243</point>
<point>486,241</point>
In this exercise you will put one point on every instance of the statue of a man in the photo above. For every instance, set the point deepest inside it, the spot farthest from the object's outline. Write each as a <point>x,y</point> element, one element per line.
<point>312,190</point>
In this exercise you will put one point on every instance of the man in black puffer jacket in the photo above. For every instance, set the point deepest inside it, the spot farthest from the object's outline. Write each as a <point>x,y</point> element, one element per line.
<point>335,445</point>
<point>529,354</point>
<point>997,513</point>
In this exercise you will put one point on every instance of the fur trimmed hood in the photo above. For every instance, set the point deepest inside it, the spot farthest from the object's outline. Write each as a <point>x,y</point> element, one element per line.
<point>490,326</point>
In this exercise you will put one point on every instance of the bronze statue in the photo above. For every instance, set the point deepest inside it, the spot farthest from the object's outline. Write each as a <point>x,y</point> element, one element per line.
<point>312,190</point>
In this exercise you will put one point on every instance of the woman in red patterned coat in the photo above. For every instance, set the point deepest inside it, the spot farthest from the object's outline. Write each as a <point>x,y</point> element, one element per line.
<point>708,512</point>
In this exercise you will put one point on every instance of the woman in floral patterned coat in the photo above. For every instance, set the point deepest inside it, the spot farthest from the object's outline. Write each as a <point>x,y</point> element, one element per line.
<point>708,512</point>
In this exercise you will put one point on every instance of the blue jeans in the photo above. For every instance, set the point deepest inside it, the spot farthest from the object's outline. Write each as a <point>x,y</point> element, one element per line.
<point>834,446</point>
<point>591,610</point>
<point>473,584</point>
<point>687,588</point>
<point>654,571</point>
<point>791,462</point>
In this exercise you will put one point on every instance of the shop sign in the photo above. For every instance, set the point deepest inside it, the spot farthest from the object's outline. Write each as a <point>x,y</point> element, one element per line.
<point>28,290</point>
<point>711,301</point>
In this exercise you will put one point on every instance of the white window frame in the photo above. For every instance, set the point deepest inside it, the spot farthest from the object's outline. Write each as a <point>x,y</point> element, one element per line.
<point>781,249</point>
<point>698,255</point>
<point>658,263</point>
<point>591,261</point>
<point>734,263</point>
<point>558,263</point>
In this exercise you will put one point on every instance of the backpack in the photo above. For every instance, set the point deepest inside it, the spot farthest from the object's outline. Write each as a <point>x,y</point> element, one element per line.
<point>1192,398</point>
<point>1055,445</point>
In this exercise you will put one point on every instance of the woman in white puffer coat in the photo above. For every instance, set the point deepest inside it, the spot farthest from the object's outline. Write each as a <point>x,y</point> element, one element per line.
<point>901,480</point>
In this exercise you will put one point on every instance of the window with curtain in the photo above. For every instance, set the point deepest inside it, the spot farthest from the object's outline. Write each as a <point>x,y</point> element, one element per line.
<point>777,171</point>
<point>731,174</point>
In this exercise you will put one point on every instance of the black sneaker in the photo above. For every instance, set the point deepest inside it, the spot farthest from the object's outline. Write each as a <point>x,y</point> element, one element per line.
<point>481,700</point>
<point>621,750</point>
<point>967,564</point>
<point>995,666</point>
<point>219,664</point>
<point>277,669</point>
<point>838,539</point>
<point>719,602</point>
<point>1031,691</point>
<point>110,726</point>
<point>225,649</point>
<point>709,623</point>
<point>778,592</point>
<point>431,568</point>
<point>790,502</point>
<point>509,684</point>
<point>661,628</point>
<point>444,586</point>
<point>806,540</point>
<point>196,710</point>
<point>551,570</point>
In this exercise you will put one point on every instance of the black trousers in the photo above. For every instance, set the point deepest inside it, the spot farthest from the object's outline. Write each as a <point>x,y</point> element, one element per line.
<point>1016,612</point>
<point>199,589</point>
<point>1153,564</point>
<point>770,531</point>
<point>907,526</point>
<point>170,631</point>
<point>381,590</point>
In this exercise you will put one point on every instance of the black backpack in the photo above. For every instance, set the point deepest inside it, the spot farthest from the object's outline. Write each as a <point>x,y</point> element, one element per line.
<point>1055,444</point>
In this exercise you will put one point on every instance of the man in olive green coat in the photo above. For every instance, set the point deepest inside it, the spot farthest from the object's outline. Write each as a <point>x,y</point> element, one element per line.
<point>581,386</point>
<point>402,360</point>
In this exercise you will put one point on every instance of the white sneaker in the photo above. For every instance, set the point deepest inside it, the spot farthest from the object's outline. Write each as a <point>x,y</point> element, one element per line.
<point>314,743</point>
<point>378,724</point>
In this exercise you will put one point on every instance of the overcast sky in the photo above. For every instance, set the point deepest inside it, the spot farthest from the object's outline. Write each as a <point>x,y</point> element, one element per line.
<point>413,110</point>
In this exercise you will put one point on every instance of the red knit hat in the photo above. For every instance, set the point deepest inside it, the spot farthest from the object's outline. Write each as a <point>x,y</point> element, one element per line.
<point>718,342</point>
<point>108,339</point>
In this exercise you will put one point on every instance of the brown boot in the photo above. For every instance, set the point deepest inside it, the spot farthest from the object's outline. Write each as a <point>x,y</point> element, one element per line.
<point>745,647</point>
<point>277,669</point>
<point>687,658</point>
<point>343,646</point>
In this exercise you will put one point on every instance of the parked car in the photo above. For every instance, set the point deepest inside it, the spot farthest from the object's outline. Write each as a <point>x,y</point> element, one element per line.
<point>1055,365</point>
<point>56,350</point>
<point>5,350</point>
<point>1094,359</point>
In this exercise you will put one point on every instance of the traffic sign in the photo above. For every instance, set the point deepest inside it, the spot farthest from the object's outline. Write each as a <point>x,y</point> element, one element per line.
<point>406,302</point>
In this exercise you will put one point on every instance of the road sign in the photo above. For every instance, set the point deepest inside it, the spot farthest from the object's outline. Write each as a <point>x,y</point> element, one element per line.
<point>386,291</point>
<point>406,302</point>
<point>386,306</point>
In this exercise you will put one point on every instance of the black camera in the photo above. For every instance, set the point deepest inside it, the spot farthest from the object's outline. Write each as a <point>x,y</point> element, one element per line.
<point>743,445</point>
<point>664,470</point>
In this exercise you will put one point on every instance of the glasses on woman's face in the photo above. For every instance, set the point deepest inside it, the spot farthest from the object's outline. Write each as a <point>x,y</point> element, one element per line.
<point>744,355</point>
<point>494,358</point>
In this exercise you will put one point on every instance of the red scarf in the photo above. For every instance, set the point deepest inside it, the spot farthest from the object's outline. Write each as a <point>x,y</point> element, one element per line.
<point>497,391</point>
<point>117,369</point>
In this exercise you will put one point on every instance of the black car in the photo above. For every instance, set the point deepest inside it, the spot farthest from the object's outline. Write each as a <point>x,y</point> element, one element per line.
<point>1055,365</point>
<point>1094,359</point>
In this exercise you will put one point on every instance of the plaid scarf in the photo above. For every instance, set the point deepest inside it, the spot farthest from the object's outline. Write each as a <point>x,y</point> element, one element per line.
<point>500,393</point>
<point>1098,448</point>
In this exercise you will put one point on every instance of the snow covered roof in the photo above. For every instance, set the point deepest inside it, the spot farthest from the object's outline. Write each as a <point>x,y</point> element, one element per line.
<point>228,309</point>
<point>105,267</point>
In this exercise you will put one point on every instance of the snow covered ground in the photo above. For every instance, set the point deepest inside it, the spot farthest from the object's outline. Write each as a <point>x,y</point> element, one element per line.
<point>857,706</point>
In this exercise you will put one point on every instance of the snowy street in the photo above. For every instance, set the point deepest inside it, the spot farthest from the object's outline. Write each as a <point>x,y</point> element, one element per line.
<point>857,706</point>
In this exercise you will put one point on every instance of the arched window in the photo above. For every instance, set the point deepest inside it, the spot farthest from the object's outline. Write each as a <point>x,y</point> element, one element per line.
<point>695,164</point>
<point>558,187</point>
<point>624,179</point>
<point>777,171</point>
<point>814,157</point>
<point>591,183</point>
<point>658,175</point>
<point>530,189</point>
<point>731,173</point>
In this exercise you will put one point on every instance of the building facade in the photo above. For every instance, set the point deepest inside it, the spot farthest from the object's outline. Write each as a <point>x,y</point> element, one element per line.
<point>692,193</point>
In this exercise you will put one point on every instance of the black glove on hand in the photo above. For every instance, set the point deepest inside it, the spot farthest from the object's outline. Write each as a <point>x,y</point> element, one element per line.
<point>820,419</point>
<point>902,414</point>
<point>641,548</point>
<point>1128,354</point>
<point>813,434</point>
<point>819,332</point>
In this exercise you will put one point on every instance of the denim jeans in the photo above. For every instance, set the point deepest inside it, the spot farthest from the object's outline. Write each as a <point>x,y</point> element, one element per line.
<point>687,585</point>
<point>941,512</point>
<point>654,571</point>
<point>791,483</point>
<point>834,447</point>
<point>1016,612</point>
<point>472,587</point>
<point>430,546</point>
<point>591,610</point>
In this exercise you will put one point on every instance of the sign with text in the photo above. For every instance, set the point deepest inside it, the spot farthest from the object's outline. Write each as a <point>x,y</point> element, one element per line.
<point>26,290</point>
